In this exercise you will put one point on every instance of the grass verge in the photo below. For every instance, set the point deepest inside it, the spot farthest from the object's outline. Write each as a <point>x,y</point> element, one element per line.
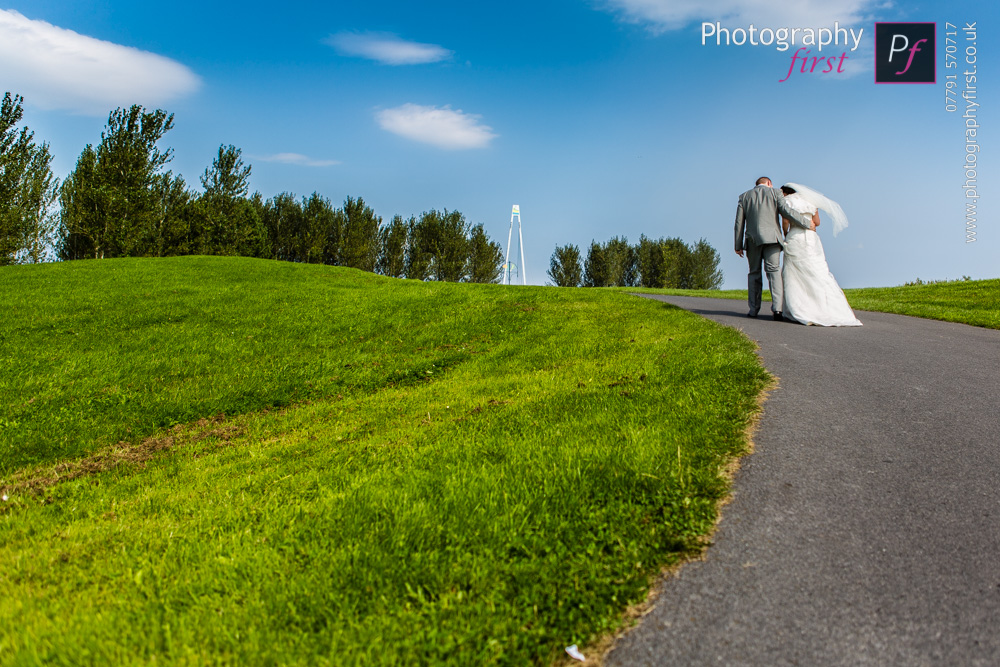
<point>975,302</point>
<point>406,473</point>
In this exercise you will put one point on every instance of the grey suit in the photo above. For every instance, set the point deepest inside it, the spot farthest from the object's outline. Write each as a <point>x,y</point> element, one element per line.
<point>758,232</point>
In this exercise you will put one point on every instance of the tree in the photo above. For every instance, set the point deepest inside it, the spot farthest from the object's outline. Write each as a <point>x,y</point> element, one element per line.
<point>595,267</point>
<point>261,245</point>
<point>395,239</point>
<point>111,200</point>
<point>485,264</point>
<point>649,262</point>
<point>80,200</point>
<point>332,223</point>
<point>227,177</point>
<point>225,222</point>
<point>620,260</point>
<point>611,264</point>
<point>705,272</point>
<point>319,232</point>
<point>439,247</point>
<point>28,189</point>
<point>282,222</point>
<point>170,231</point>
<point>564,266</point>
<point>677,262</point>
<point>664,262</point>
<point>419,250</point>
<point>359,246</point>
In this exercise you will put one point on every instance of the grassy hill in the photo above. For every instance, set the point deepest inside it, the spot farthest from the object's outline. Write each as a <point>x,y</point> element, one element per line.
<point>226,460</point>
<point>975,302</point>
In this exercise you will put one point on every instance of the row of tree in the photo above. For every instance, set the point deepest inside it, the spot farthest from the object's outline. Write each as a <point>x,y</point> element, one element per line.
<point>121,201</point>
<point>664,262</point>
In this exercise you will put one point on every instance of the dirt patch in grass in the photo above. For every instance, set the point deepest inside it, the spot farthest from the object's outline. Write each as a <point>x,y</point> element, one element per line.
<point>38,480</point>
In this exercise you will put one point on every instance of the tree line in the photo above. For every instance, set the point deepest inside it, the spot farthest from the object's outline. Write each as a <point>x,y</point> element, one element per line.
<point>663,262</point>
<point>120,200</point>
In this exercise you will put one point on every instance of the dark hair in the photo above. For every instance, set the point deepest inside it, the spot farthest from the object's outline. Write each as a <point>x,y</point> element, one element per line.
<point>762,180</point>
<point>787,190</point>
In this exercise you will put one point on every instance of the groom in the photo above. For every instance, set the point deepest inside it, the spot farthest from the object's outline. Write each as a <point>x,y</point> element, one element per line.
<point>758,232</point>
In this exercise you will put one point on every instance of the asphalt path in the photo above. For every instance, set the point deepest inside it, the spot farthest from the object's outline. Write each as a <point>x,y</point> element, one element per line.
<point>865,527</point>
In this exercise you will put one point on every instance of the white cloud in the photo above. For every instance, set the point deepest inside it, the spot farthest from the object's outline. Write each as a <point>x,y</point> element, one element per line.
<point>386,48</point>
<point>296,158</point>
<point>55,68</point>
<point>442,127</point>
<point>663,15</point>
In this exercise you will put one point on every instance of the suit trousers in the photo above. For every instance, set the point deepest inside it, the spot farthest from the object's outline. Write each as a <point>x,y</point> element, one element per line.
<point>769,255</point>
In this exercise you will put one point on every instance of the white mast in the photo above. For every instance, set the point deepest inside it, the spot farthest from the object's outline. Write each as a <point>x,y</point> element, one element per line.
<point>515,212</point>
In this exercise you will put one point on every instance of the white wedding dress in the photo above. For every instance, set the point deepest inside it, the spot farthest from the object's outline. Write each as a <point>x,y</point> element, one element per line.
<point>811,293</point>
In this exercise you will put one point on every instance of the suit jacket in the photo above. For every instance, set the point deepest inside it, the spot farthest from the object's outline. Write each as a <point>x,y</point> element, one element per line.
<point>757,217</point>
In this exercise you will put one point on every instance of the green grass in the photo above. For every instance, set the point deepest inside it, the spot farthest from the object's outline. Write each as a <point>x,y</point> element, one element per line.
<point>975,302</point>
<point>460,474</point>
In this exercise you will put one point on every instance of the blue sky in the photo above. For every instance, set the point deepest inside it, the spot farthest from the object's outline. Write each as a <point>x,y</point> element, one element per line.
<point>598,118</point>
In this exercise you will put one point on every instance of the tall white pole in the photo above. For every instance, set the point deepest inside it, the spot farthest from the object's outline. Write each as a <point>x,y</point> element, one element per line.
<point>514,210</point>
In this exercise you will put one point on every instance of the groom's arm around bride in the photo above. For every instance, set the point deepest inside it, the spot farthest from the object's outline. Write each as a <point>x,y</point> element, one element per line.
<point>758,232</point>
<point>757,215</point>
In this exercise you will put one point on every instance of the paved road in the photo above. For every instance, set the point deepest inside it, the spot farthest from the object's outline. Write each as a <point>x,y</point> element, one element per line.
<point>865,528</point>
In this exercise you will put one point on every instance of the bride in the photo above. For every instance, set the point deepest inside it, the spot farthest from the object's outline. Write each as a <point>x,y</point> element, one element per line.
<point>812,295</point>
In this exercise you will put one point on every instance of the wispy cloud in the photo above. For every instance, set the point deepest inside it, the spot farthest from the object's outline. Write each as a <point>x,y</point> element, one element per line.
<point>664,15</point>
<point>441,127</point>
<point>55,68</point>
<point>295,158</point>
<point>386,48</point>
